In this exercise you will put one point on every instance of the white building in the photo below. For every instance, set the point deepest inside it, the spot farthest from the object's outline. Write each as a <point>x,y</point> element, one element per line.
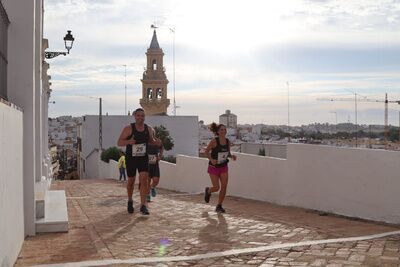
<point>25,165</point>
<point>228,119</point>
<point>257,129</point>
<point>182,129</point>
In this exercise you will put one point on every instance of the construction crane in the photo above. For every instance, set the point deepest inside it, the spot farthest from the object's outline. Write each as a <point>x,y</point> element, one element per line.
<point>364,99</point>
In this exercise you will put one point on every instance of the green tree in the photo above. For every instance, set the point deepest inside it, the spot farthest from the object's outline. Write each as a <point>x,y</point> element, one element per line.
<point>110,153</point>
<point>393,134</point>
<point>163,134</point>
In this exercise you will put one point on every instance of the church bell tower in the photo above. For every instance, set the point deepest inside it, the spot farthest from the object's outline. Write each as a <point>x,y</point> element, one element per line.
<point>154,99</point>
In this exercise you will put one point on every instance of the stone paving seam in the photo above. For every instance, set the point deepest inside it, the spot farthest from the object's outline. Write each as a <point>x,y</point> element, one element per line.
<point>231,252</point>
<point>100,246</point>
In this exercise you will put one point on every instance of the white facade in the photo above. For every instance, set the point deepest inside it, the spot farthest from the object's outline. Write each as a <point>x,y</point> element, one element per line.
<point>359,183</point>
<point>22,81</point>
<point>29,89</point>
<point>182,129</point>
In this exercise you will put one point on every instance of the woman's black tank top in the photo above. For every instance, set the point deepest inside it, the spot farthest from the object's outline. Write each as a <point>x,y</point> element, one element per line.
<point>220,149</point>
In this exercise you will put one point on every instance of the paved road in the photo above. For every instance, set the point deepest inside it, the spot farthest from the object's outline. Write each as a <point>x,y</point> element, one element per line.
<point>183,225</point>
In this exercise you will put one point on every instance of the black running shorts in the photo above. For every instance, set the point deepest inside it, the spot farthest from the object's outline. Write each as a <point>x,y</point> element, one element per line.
<point>141,164</point>
<point>154,170</point>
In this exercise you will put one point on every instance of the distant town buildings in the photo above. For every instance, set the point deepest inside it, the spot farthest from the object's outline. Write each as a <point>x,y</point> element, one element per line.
<point>250,137</point>
<point>228,119</point>
<point>63,139</point>
<point>154,82</point>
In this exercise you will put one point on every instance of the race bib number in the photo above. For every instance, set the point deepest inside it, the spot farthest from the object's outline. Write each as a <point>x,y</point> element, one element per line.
<point>139,150</point>
<point>222,157</point>
<point>152,159</point>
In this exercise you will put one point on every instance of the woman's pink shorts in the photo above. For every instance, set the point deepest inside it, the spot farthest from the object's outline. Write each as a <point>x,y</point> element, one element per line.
<point>217,171</point>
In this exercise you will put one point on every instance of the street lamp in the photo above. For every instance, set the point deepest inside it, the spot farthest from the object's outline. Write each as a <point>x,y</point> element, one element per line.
<point>68,41</point>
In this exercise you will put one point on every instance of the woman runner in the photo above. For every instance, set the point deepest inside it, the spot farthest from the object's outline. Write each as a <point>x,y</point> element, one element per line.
<point>218,151</point>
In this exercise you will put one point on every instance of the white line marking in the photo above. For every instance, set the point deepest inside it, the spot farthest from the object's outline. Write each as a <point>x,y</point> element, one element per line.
<point>217,254</point>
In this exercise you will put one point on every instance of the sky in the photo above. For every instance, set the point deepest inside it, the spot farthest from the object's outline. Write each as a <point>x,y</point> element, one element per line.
<point>252,57</point>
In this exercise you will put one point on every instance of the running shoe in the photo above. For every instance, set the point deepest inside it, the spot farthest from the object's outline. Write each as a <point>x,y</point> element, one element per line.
<point>130,206</point>
<point>143,210</point>
<point>207,195</point>
<point>220,209</point>
<point>153,192</point>
<point>148,198</point>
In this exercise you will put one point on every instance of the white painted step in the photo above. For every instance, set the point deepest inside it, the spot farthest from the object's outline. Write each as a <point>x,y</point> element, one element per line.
<point>56,214</point>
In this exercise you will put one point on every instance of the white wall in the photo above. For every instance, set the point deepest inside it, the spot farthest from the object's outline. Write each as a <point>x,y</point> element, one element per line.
<point>188,175</point>
<point>356,182</point>
<point>108,170</point>
<point>21,81</point>
<point>353,182</point>
<point>271,150</point>
<point>183,130</point>
<point>92,166</point>
<point>11,185</point>
<point>97,169</point>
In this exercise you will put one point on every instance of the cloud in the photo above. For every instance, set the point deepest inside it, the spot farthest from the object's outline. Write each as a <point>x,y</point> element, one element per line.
<point>237,58</point>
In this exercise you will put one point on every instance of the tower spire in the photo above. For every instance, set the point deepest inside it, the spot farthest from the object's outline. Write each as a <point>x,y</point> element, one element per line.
<point>154,42</point>
<point>154,82</point>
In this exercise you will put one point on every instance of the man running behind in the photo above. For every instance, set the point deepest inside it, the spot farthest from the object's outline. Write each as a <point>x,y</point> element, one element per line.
<point>155,154</point>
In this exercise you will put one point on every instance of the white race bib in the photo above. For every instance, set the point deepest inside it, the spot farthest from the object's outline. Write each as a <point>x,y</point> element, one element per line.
<point>222,157</point>
<point>138,150</point>
<point>152,159</point>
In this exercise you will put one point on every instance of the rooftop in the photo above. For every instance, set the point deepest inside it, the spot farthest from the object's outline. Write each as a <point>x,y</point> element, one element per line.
<point>183,230</point>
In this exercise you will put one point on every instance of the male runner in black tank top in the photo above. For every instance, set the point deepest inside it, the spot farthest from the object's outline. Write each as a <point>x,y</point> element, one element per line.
<point>136,137</point>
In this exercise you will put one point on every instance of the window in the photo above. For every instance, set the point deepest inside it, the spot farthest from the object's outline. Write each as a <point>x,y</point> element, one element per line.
<point>3,51</point>
<point>154,64</point>
<point>159,93</point>
<point>149,93</point>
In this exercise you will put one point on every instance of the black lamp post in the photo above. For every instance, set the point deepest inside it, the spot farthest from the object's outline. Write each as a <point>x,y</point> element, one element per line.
<point>68,40</point>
